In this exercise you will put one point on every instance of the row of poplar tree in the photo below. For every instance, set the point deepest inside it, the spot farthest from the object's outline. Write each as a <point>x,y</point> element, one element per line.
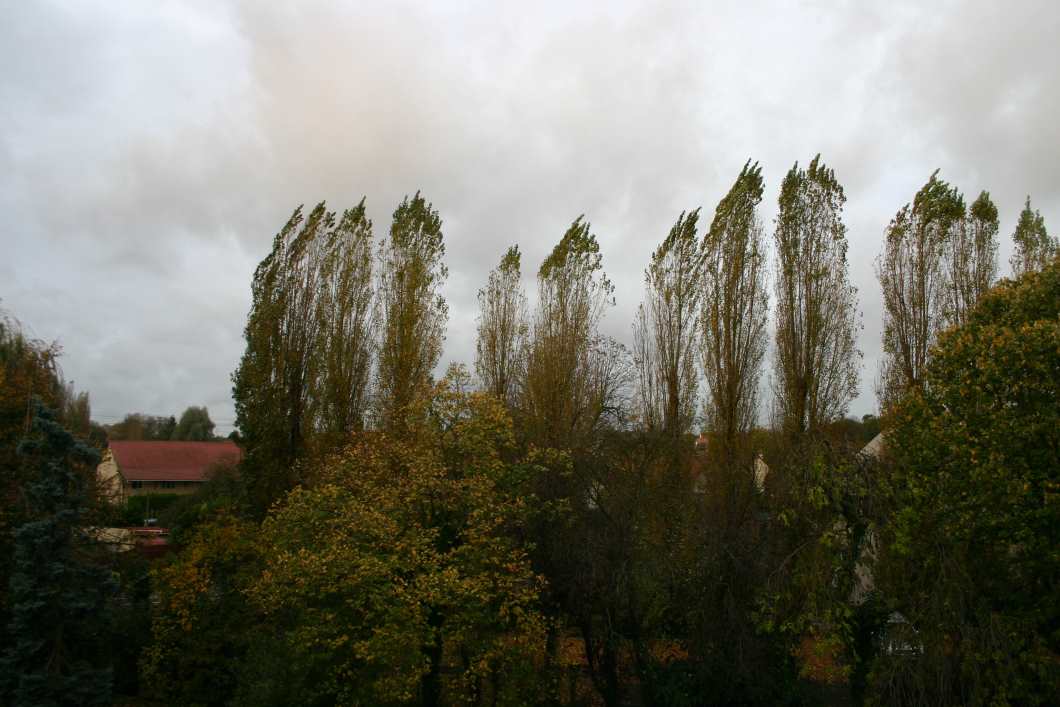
<point>344,334</point>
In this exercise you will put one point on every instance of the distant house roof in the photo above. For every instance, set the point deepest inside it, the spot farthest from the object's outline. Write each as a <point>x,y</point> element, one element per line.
<point>172,461</point>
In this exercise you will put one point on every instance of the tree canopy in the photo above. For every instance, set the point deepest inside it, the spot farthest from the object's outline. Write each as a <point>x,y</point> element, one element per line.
<point>970,555</point>
<point>57,651</point>
<point>665,333</point>
<point>735,304</point>
<point>413,313</point>
<point>817,359</point>
<point>195,425</point>
<point>1035,248</point>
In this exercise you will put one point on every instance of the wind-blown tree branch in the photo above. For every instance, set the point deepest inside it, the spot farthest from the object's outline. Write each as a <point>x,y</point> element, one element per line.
<point>305,366</point>
<point>271,387</point>
<point>502,329</point>
<point>971,259</point>
<point>573,376</point>
<point>735,302</point>
<point>412,309</point>
<point>913,277</point>
<point>665,332</point>
<point>346,325</point>
<point>1034,247</point>
<point>816,363</point>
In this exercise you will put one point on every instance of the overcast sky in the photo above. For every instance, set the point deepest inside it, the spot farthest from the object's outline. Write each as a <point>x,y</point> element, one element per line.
<point>149,151</point>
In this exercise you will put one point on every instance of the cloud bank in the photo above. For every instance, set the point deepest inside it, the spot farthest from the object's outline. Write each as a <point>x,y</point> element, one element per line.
<point>150,151</point>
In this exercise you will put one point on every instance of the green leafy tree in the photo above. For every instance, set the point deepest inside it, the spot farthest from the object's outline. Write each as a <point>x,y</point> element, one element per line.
<point>345,312</point>
<point>971,260</point>
<point>1035,248</point>
<point>817,358</point>
<point>138,426</point>
<point>665,333</point>
<point>201,622</point>
<point>272,384</point>
<point>56,651</point>
<point>304,371</point>
<point>195,425</point>
<point>913,276</point>
<point>412,310</point>
<point>573,375</point>
<point>823,498</point>
<point>502,328</point>
<point>625,548</point>
<point>735,303</point>
<point>969,556</point>
<point>397,559</point>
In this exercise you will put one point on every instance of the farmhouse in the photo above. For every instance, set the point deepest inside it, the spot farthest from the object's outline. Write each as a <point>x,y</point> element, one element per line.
<point>134,468</point>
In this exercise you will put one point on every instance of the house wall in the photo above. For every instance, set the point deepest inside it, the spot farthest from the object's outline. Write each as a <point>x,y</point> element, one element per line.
<point>142,488</point>
<point>110,480</point>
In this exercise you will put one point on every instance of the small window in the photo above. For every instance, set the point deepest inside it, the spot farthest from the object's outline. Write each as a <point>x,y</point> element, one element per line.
<point>137,484</point>
<point>169,484</point>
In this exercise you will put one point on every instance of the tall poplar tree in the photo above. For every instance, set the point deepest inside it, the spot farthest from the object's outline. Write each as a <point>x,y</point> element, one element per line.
<point>971,259</point>
<point>817,320</point>
<point>305,368</point>
<point>735,303</point>
<point>502,329</point>
<point>271,387</point>
<point>573,375</point>
<point>1035,248</point>
<point>345,313</point>
<point>665,332</point>
<point>915,283</point>
<point>412,310</point>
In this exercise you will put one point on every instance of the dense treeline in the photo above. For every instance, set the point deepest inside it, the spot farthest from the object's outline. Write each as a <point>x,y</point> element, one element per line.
<point>551,532</point>
<point>72,613</point>
<point>194,425</point>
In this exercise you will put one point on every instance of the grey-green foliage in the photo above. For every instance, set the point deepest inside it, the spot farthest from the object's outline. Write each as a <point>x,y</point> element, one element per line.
<point>735,305</point>
<point>817,358</point>
<point>1035,248</point>
<point>413,313</point>
<point>502,329</point>
<point>665,333</point>
<point>915,282</point>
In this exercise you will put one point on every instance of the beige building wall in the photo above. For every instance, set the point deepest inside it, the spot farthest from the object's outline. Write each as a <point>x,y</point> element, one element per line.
<point>110,481</point>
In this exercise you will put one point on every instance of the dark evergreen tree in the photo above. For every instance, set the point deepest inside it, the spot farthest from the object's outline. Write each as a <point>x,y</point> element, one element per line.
<point>57,599</point>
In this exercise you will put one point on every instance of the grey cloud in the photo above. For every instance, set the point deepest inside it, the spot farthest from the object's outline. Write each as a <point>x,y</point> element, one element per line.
<point>148,153</point>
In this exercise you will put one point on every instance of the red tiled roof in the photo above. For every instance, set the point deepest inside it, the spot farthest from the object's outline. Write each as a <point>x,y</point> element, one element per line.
<point>171,461</point>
